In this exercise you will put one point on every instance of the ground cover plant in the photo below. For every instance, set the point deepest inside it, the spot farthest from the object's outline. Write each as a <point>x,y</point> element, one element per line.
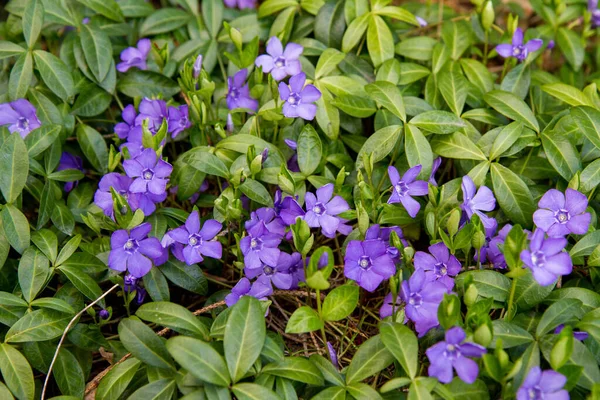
<point>299,199</point>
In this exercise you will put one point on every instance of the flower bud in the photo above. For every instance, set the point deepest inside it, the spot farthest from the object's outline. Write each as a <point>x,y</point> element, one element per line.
<point>471,295</point>
<point>483,335</point>
<point>104,314</point>
<point>197,66</point>
<point>488,16</point>
<point>478,240</point>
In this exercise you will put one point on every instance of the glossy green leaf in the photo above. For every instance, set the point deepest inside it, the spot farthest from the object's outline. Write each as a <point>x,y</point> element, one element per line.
<point>512,107</point>
<point>380,144</point>
<point>97,49</point>
<point>114,383</point>
<point>108,8</point>
<point>198,357</point>
<point>340,302</point>
<point>309,150</point>
<point>55,74</point>
<point>16,372</point>
<point>34,269</point>
<point>14,165</point>
<point>388,96</point>
<point>16,227</point>
<point>33,20</point>
<point>164,20</point>
<point>372,356</point>
<point>143,343</point>
<point>38,326</point>
<point>173,316</point>
<point>20,77</point>
<point>297,369</point>
<point>403,344</point>
<point>304,319</point>
<point>418,150</point>
<point>380,42</point>
<point>93,146</point>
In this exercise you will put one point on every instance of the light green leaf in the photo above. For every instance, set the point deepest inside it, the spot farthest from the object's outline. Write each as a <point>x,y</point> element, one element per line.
<point>212,12</point>
<point>453,87</point>
<point>256,191</point>
<point>14,165</point>
<point>379,144</point>
<point>512,107</point>
<point>355,106</point>
<point>41,138</point>
<point>9,49</point>
<point>109,8</point>
<point>138,83</point>
<point>380,42</point>
<point>588,121</point>
<point>388,96</point>
<point>297,369</point>
<point>505,139</point>
<point>438,122</point>
<point>20,77</point>
<point>340,302</point>
<point>561,153</point>
<point>572,46</point>
<point>418,151</point>
<point>173,316</point>
<point>403,344</point>
<point>304,319</point>
<point>38,326</point>
<point>16,372</point>
<point>164,20</point>
<point>372,356</point>
<point>33,20</point>
<point>456,145</point>
<point>355,32</point>
<point>143,343</point>
<point>198,357</point>
<point>34,269</point>
<point>568,94</point>
<point>253,391</point>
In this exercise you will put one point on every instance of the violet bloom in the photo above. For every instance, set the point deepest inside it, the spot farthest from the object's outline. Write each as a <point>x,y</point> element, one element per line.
<point>133,251</point>
<point>477,202</point>
<point>440,265</point>
<point>519,50</point>
<point>155,111</point>
<point>593,9</point>
<point>241,4</point>
<point>150,172</point>
<point>368,263</point>
<point>20,116</point>
<point>287,209</point>
<point>546,258</point>
<point>261,288</point>
<point>375,232</point>
<point>454,353</point>
<point>299,98</point>
<point>140,295</point>
<point>129,283</point>
<point>197,68</point>
<point>135,56</point>
<point>578,335</point>
<point>493,253</point>
<point>551,45</point>
<point>388,306</point>
<point>422,299</point>
<point>436,165</point>
<point>278,273</point>
<point>296,270</point>
<point>421,22</point>
<point>103,196</point>
<point>404,188</point>
<point>561,214</point>
<point>198,242</point>
<point>104,314</point>
<point>238,95</point>
<point>322,211</point>
<point>124,129</point>
<point>260,247</point>
<point>333,355</point>
<point>169,243</point>
<point>69,161</point>
<point>229,125</point>
<point>539,385</point>
<point>269,217</point>
<point>178,120</point>
<point>292,163</point>
<point>279,62</point>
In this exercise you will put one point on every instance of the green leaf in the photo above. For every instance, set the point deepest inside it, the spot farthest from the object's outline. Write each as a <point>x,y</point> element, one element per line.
<point>97,49</point>
<point>456,145</point>
<point>9,49</point>
<point>362,391</point>
<point>340,302</point>
<point>505,139</point>
<point>252,391</point>
<point>256,192</point>
<point>244,336</point>
<point>517,81</point>
<point>561,153</point>
<point>47,242</point>
<point>62,218</point>
<point>586,245</point>
<point>512,107</point>
<point>355,106</point>
<point>588,122</point>
<point>38,326</point>
<point>156,284</point>
<point>34,269</point>
<point>270,7</point>
<point>309,150</point>
<point>328,62</point>
<point>212,12</point>
<point>304,319</point>
<point>529,293</point>
<point>331,393</point>
<point>164,20</point>
<point>173,316</point>
<point>403,344</point>
<point>14,165</point>
<point>16,372</point>
<point>94,147</point>
<point>55,74</point>
<point>203,161</point>
<point>138,83</point>
<point>355,32</point>
<point>68,249</point>
<point>20,77</point>
<point>69,375</point>
<point>478,74</point>
<point>564,311</point>
<point>372,356</point>
<point>417,48</point>
<point>572,47</point>
<point>54,303</point>
<point>567,94</point>
<point>41,138</point>
<point>388,96</point>
<point>297,369</point>
<point>328,116</point>
<point>66,175</point>
<point>198,357</point>
<point>395,12</point>
<point>489,284</point>
<point>82,281</point>
<point>454,87</point>
<point>513,195</point>
<point>380,42</point>
<point>511,335</point>
<point>143,343</point>
<point>33,20</point>
<point>417,150</point>
<point>329,24</point>
<point>457,36</point>
<point>189,277</point>
<point>116,381</point>
<point>109,8</point>
<point>438,122</point>
<point>379,144</point>
<point>5,393</point>
<point>16,227</point>
<point>162,389</point>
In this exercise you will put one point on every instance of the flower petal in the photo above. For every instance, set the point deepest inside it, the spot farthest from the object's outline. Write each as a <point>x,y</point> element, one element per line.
<point>138,265</point>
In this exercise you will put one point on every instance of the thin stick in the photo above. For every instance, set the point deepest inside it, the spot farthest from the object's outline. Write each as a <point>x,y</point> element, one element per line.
<point>71,323</point>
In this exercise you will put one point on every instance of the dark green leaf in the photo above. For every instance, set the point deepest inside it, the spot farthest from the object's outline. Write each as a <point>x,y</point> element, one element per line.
<point>137,83</point>
<point>198,357</point>
<point>14,165</point>
<point>512,107</point>
<point>109,8</point>
<point>297,369</point>
<point>403,344</point>
<point>33,20</point>
<point>173,316</point>
<point>55,74</point>
<point>16,227</point>
<point>20,77</point>
<point>164,20</point>
<point>372,356</point>
<point>34,269</point>
<point>513,195</point>
<point>309,150</point>
<point>143,343</point>
<point>38,326</point>
<point>94,147</point>
<point>16,372</point>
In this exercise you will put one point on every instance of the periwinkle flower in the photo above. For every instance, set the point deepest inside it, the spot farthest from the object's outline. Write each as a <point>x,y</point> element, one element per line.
<point>124,129</point>
<point>238,95</point>
<point>135,56</point>
<point>292,163</point>
<point>476,201</point>
<point>453,354</point>
<point>155,111</point>
<point>518,49</point>
<point>436,165</point>
<point>260,289</point>
<point>368,263</point>
<point>541,385</point>
<point>287,209</point>
<point>279,62</point>
<point>493,253</point>
<point>439,266</point>
<point>278,273</point>
<point>421,21</point>
<point>403,188</point>
<point>20,116</point>
<point>388,306</point>
<point>130,283</point>
<point>333,355</point>
<point>267,216</point>
<point>578,335</point>
<point>260,247</point>
<point>422,299</point>
<point>296,269</point>
<point>241,4</point>
<point>104,314</point>
<point>593,9</point>
<point>197,67</point>
<point>561,214</point>
<point>322,211</point>
<point>69,161</point>
<point>546,258</point>
<point>376,232</point>
<point>229,125</point>
<point>299,98</point>
<point>178,120</point>
<point>551,45</point>
<point>133,251</point>
<point>169,243</point>
<point>198,241</point>
<point>103,196</point>
<point>150,172</point>
<point>140,295</point>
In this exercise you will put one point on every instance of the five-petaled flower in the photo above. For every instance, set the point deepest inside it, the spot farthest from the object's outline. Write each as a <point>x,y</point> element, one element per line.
<point>518,49</point>
<point>198,241</point>
<point>135,56</point>
<point>279,62</point>
<point>260,246</point>
<point>561,214</point>
<point>134,251</point>
<point>278,273</point>
<point>546,258</point>
<point>422,299</point>
<point>477,202</point>
<point>20,116</point>
<point>454,353</point>
<point>322,211</point>
<point>368,263</point>
<point>403,188</point>
<point>440,265</point>
<point>238,94</point>
<point>540,385</point>
<point>150,172</point>
<point>261,288</point>
<point>299,98</point>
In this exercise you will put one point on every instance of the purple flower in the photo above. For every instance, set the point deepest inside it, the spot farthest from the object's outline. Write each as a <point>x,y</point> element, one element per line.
<point>238,95</point>
<point>493,253</point>
<point>85,21</point>
<point>368,263</point>
<point>436,165</point>
<point>104,314</point>
<point>440,265</point>
<point>135,56</point>
<point>20,116</point>
<point>229,125</point>
<point>260,247</point>
<point>292,163</point>
<point>277,273</point>
<point>151,173</point>
<point>268,217</point>
<point>375,232</point>
<point>140,295</point>
<point>129,283</point>
<point>123,129</point>
<point>551,45</point>
<point>241,4</point>
<point>197,66</point>
<point>69,161</point>
<point>422,299</point>
<point>578,335</point>
<point>296,269</point>
<point>593,9</point>
<point>558,216</point>
<point>388,305</point>
<point>287,209</point>
<point>519,50</point>
<point>333,355</point>
<point>198,242</point>
<point>261,288</point>
<point>169,243</point>
<point>546,258</point>
<point>539,385</point>
<point>279,62</point>
<point>404,188</point>
<point>299,98</point>
<point>421,21</point>
<point>178,120</point>
<point>155,111</point>
<point>133,251</point>
<point>322,211</point>
<point>103,197</point>
<point>454,354</point>
<point>476,203</point>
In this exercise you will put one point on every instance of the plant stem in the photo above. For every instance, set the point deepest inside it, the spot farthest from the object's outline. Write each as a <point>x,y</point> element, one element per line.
<point>323,334</point>
<point>511,299</point>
